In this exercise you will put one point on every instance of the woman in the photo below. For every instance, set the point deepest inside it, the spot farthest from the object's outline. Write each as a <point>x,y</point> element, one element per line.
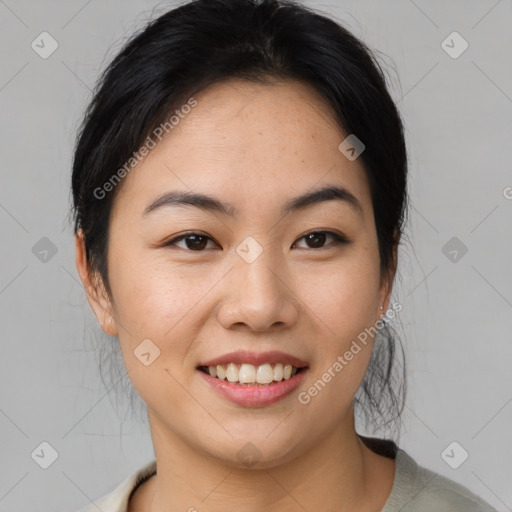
<point>239,193</point>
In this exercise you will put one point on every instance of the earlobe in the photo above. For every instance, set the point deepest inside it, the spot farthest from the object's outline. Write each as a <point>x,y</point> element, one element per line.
<point>94,289</point>
<point>109,326</point>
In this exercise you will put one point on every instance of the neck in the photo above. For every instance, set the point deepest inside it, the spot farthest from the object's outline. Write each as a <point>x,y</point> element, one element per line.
<point>334,475</point>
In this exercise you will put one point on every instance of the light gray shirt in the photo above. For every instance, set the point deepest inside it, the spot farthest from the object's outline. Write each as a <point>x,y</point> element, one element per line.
<point>415,488</point>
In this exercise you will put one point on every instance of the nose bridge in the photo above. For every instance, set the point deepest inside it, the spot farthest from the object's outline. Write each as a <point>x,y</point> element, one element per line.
<point>258,295</point>
<point>259,286</point>
<point>260,278</point>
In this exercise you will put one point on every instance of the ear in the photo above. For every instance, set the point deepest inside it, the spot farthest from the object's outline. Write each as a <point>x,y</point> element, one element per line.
<point>386,283</point>
<point>94,288</point>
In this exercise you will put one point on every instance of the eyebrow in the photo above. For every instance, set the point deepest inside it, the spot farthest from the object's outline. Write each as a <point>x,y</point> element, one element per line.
<point>207,203</point>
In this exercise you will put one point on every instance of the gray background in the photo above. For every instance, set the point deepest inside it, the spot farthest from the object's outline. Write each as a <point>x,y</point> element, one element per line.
<point>456,323</point>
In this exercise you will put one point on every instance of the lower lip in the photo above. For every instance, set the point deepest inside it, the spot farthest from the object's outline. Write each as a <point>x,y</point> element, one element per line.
<point>259,395</point>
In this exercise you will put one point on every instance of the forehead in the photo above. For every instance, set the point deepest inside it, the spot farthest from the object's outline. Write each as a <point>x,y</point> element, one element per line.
<point>246,143</point>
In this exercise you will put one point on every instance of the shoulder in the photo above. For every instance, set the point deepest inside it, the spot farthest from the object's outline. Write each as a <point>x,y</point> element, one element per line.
<point>117,499</point>
<point>418,489</point>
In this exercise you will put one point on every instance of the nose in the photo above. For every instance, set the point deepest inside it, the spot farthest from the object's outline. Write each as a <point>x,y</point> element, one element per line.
<point>259,295</point>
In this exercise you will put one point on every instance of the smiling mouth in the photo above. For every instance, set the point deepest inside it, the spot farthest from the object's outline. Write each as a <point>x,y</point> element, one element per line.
<point>250,375</point>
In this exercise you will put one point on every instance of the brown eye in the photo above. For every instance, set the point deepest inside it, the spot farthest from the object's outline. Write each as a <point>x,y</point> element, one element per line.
<point>196,242</point>
<point>316,239</point>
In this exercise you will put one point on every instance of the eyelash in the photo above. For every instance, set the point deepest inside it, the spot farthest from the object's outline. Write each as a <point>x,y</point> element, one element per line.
<point>338,239</point>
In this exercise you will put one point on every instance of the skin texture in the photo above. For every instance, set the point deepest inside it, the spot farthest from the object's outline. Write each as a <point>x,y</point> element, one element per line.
<point>255,146</point>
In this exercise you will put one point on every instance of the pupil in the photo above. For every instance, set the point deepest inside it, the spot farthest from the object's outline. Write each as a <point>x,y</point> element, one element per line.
<point>316,238</point>
<point>197,241</point>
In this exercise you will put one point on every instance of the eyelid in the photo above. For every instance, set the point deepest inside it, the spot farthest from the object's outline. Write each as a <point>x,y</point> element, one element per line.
<point>172,241</point>
<point>339,238</point>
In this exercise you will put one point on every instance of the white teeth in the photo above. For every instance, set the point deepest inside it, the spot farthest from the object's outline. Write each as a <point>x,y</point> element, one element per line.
<point>247,373</point>
<point>278,372</point>
<point>265,374</point>
<point>221,372</point>
<point>232,372</point>
<point>250,374</point>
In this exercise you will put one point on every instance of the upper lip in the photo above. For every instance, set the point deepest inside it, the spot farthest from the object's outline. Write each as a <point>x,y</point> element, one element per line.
<point>256,359</point>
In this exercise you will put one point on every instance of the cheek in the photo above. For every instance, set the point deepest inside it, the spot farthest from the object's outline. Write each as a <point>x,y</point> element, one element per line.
<point>147,296</point>
<point>343,303</point>
<point>343,294</point>
<point>152,306</point>
<point>156,301</point>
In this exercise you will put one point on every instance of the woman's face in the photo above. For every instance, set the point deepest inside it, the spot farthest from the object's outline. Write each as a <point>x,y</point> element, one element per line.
<point>252,282</point>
